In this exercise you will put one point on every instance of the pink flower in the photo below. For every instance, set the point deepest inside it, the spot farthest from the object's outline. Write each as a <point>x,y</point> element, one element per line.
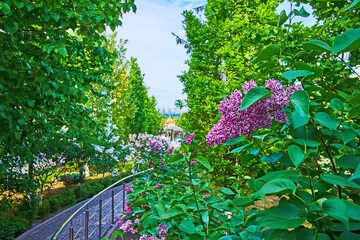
<point>205,195</point>
<point>193,162</point>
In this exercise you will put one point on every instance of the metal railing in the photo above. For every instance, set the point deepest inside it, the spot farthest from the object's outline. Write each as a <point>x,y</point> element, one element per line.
<point>95,218</point>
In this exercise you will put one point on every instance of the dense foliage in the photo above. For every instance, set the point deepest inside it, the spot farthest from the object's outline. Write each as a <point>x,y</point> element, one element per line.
<point>223,39</point>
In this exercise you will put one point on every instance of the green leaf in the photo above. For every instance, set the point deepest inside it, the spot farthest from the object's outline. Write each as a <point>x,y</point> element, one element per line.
<point>266,53</point>
<point>296,155</point>
<point>273,158</point>
<point>178,158</point>
<point>354,112</point>
<point>348,161</point>
<point>282,18</point>
<point>187,226</point>
<point>349,236</point>
<point>337,209</point>
<point>355,99</point>
<point>301,99</point>
<point>303,12</point>
<point>348,41</point>
<point>306,142</point>
<point>234,141</point>
<point>353,210</point>
<point>243,201</point>
<point>204,161</point>
<point>355,4</point>
<point>63,51</point>
<point>356,174</point>
<point>298,117</point>
<point>301,233</point>
<point>284,216</point>
<point>336,104</point>
<point>338,180</point>
<point>345,135</point>
<point>326,120</point>
<point>322,236</point>
<point>138,203</point>
<point>227,191</point>
<point>292,74</point>
<point>239,149</point>
<point>317,46</point>
<point>160,207</point>
<point>5,8</point>
<point>254,95</point>
<point>279,185</point>
<point>172,213</point>
<point>291,174</point>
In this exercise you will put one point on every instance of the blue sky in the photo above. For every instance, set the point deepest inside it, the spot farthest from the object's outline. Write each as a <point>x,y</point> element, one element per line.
<point>151,42</point>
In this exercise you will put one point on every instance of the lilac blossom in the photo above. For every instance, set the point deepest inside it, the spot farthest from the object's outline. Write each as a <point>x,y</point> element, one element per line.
<point>189,137</point>
<point>234,122</point>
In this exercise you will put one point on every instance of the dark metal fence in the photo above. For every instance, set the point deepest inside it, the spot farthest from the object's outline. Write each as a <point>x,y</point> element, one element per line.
<point>98,215</point>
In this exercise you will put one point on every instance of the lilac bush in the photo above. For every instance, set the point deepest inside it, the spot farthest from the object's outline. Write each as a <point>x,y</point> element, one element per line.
<point>234,122</point>
<point>147,148</point>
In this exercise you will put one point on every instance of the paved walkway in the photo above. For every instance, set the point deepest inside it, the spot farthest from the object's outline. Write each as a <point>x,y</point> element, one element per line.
<point>46,230</point>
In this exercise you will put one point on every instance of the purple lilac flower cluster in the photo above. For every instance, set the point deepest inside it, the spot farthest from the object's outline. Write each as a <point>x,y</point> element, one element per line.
<point>234,123</point>
<point>161,230</point>
<point>128,226</point>
<point>189,137</point>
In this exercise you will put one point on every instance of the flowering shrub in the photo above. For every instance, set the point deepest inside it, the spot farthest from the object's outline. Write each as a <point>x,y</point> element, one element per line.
<point>235,122</point>
<point>148,149</point>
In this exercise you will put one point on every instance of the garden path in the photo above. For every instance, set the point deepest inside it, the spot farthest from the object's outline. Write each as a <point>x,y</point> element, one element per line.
<point>46,230</point>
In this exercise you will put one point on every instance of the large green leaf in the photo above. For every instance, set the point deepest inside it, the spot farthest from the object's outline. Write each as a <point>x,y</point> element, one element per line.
<point>345,135</point>
<point>187,226</point>
<point>306,142</point>
<point>267,53</point>
<point>284,216</point>
<point>178,158</point>
<point>336,104</point>
<point>301,99</point>
<point>172,213</point>
<point>299,118</point>
<point>339,180</point>
<point>291,174</point>
<point>356,174</point>
<point>355,4</point>
<point>353,210</point>
<point>322,236</point>
<point>349,236</point>
<point>227,191</point>
<point>254,95</point>
<point>239,149</point>
<point>234,141</point>
<point>292,74</point>
<point>317,45</point>
<point>279,185</point>
<point>282,18</point>
<point>337,209</point>
<point>326,120</point>
<point>138,202</point>
<point>348,41</point>
<point>204,161</point>
<point>348,161</point>
<point>296,155</point>
<point>243,201</point>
